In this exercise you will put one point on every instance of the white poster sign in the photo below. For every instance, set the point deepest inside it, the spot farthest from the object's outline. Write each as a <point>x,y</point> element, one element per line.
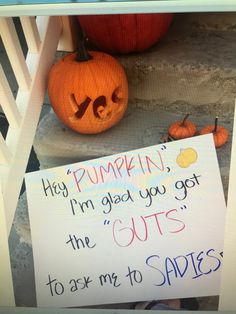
<point>142,225</point>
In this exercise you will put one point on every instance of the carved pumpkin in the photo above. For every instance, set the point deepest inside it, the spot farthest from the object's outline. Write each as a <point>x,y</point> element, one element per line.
<point>220,133</point>
<point>89,95</point>
<point>182,129</point>
<point>125,33</point>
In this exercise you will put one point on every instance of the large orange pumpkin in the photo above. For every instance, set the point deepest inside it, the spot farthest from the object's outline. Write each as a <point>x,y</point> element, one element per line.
<point>125,33</point>
<point>88,95</point>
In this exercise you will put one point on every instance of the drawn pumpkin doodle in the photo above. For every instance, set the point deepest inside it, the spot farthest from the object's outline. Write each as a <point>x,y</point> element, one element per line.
<point>88,91</point>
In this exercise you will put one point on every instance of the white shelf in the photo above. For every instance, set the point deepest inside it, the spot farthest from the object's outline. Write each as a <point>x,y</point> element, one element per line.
<point>119,7</point>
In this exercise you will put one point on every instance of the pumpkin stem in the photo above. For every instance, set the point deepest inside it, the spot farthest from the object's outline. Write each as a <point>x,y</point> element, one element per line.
<point>216,125</point>
<point>82,53</point>
<point>185,118</point>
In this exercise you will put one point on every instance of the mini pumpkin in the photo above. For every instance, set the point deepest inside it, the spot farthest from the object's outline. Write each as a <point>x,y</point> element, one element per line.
<point>182,129</point>
<point>125,33</point>
<point>88,91</point>
<point>220,133</point>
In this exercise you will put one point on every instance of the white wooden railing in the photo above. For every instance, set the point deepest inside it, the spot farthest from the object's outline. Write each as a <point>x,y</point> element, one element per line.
<point>42,36</point>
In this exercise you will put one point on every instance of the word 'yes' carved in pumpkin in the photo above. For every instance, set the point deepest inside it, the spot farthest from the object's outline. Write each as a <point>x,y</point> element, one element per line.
<point>79,109</point>
<point>99,105</point>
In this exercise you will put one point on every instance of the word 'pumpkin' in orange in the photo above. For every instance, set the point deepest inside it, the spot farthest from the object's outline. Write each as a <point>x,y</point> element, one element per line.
<point>125,33</point>
<point>89,95</point>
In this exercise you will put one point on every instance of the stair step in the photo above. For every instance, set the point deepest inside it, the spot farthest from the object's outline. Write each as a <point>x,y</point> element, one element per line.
<point>194,68</point>
<point>57,145</point>
<point>224,21</point>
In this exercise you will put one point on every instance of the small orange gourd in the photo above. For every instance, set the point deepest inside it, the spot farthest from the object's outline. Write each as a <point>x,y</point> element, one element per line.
<point>88,91</point>
<point>220,133</point>
<point>182,129</point>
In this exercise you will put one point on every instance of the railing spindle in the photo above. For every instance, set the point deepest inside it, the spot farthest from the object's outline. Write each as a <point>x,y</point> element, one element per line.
<point>15,53</point>
<point>6,283</point>
<point>7,102</point>
<point>5,154</point>
<point>31,33</point>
